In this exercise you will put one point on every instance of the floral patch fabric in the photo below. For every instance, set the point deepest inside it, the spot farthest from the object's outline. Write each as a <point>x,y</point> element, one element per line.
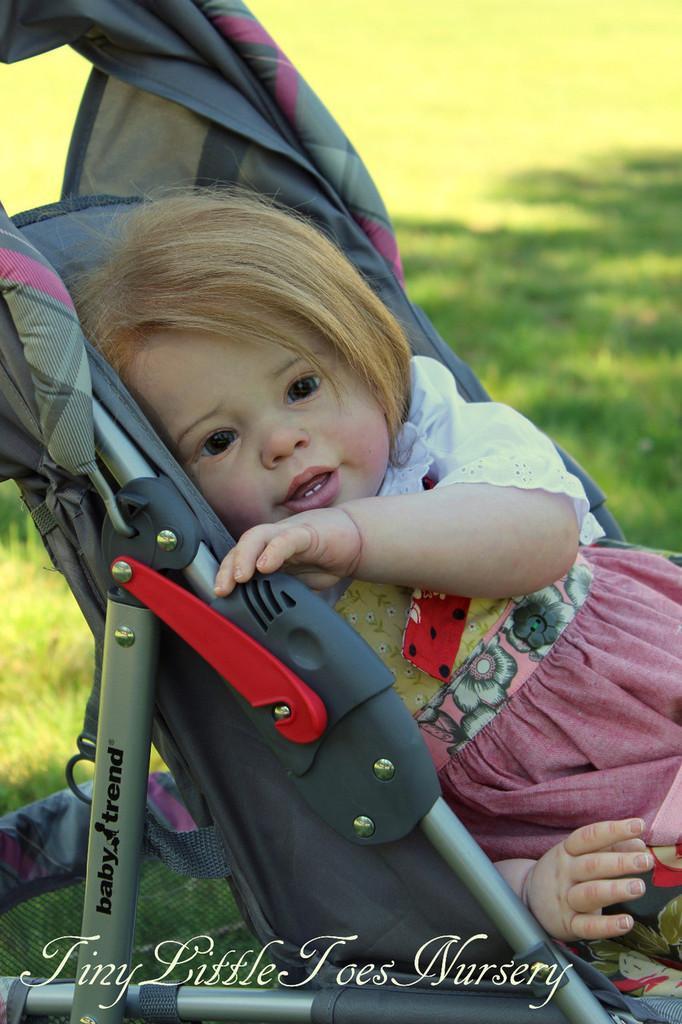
<point>484,680</point>
<point>378,612</point>
<point>483,649</point>
<point>595,731</point>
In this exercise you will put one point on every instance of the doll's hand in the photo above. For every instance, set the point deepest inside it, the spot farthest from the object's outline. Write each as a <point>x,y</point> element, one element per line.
<point>322,547</point>
<point>568,887</point>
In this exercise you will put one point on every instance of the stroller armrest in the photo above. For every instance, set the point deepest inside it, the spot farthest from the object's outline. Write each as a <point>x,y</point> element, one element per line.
<point>320,697</point>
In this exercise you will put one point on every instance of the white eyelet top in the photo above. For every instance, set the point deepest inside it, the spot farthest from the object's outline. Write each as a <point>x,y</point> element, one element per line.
<point>450,441</point>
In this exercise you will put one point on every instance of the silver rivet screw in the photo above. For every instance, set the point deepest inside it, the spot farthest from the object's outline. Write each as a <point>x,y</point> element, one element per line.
<point>541,971</point>
<point>384,769</point>
<point>167,540</point>
<point>280,712</point>
<point>124,636</point>
<point>363,826</point>
<point>121,572</point>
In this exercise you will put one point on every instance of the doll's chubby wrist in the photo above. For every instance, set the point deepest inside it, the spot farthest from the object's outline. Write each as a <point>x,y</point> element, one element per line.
<point>355,529</point>
<point>527,884</point>
<point>518,874</point>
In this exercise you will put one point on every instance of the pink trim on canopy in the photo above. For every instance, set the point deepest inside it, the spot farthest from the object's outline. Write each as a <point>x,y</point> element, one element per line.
<point>16,268</point>
<point>384,242</point>
<point>13,856</point>
<point>243,30</point>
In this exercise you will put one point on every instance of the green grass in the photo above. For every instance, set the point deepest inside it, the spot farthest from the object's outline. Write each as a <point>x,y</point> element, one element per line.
<point>40,99</point>
<point>531,156</point>
<point>580,326</point>
<point>45,663</point>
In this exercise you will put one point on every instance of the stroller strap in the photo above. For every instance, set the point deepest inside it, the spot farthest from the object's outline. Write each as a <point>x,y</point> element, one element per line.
<point>195,854</point>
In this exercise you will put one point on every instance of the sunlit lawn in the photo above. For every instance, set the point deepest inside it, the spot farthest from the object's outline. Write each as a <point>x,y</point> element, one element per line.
<point>45,657</point>
<point>530,154</point>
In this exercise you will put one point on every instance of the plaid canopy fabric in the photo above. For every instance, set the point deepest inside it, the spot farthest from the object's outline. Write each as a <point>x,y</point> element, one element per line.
<point>54,347</point>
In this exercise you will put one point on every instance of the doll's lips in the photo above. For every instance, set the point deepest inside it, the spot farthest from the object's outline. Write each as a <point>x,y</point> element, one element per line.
<point>316,488</point>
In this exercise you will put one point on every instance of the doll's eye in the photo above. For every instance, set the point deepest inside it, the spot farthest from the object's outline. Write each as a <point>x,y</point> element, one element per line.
<point>219,442</point>
<point>302,388</point>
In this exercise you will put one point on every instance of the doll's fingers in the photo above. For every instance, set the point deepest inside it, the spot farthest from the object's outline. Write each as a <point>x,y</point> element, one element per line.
<point>587,897</point>
<point>629,846</point>
<point>224,581</point>
<point>287,546</point>
<point>600,926</point>
<point>239,564</point>
<point>248,554</point>
<point>603,835</point>
<point>593,867</point>
<point>265,548</point>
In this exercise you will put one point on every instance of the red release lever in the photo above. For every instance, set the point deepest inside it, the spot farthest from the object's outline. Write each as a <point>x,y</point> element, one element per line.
<point>251,669</point>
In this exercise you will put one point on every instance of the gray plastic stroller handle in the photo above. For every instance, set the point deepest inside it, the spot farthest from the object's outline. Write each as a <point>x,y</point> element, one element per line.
<point>322,700</point>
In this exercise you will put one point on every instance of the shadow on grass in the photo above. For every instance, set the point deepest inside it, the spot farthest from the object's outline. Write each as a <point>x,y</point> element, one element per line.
<point>572,312</point>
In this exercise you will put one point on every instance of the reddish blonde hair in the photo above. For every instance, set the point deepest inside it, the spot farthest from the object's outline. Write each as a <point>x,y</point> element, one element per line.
<point>240,266</point>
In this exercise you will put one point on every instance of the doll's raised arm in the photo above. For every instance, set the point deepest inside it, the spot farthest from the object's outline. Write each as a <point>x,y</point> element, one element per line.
<point>476,540</point>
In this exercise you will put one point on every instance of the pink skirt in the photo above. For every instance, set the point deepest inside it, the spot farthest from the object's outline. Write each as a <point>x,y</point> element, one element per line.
<point>596,731</point>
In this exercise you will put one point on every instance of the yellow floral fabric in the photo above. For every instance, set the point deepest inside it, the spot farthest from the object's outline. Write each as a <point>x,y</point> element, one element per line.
<point>378,612</point>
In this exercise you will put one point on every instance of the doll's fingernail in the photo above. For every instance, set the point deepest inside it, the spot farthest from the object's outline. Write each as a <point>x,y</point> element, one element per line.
<point>636,826</point>
<point>625,923</point>
<point>643,861</point>
<point>237,572</point>
<point>636,887</point>
<point>262,561</point>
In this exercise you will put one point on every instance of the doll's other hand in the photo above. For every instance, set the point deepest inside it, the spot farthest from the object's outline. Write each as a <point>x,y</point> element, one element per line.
<point>321,547</point>
<point>568,887</point>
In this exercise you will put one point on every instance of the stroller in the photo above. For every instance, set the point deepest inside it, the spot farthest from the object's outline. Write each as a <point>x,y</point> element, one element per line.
<point>307,783</point>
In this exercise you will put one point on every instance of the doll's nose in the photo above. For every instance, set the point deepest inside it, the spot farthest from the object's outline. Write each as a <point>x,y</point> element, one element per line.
<point>282,441</point>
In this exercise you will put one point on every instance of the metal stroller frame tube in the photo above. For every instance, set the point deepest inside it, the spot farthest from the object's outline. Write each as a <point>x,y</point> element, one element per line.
<point>515,922</point>
<point>192,1004</point>
<point>118,810</point>
<point>273,1007</point>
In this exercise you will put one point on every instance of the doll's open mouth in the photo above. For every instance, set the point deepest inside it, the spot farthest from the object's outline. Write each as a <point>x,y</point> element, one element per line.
<point>318,489</point>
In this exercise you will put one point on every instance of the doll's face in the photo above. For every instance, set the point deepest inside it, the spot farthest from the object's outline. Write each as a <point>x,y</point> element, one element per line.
<point>259,429</point>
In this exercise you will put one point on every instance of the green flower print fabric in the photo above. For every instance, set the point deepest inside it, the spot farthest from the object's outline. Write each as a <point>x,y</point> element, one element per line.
<point>502,662</point>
